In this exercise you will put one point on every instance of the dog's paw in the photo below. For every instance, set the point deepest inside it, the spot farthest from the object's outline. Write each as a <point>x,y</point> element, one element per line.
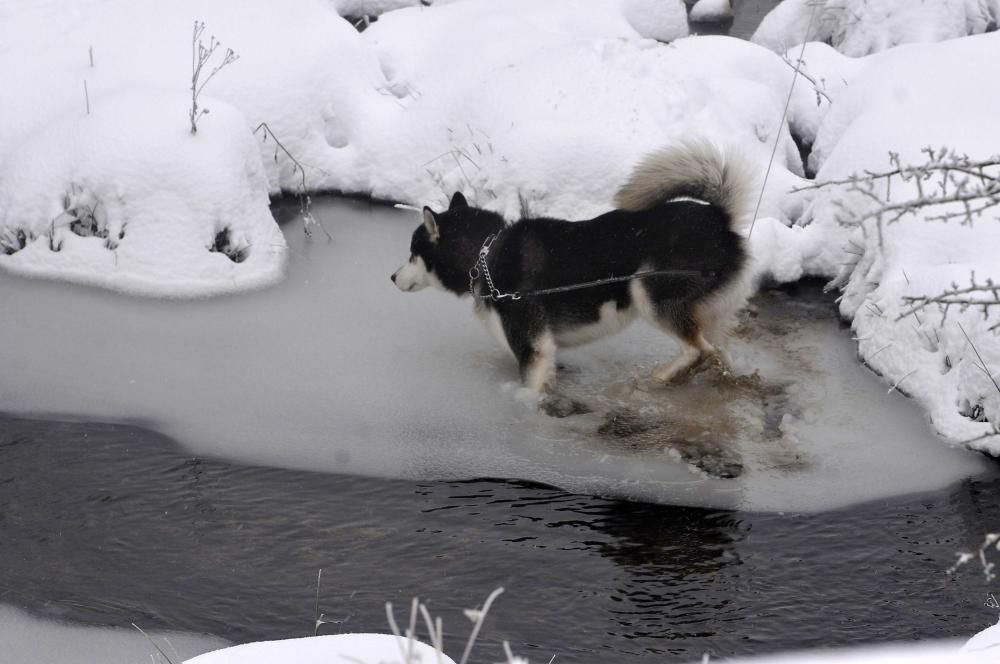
<point>558,405</point>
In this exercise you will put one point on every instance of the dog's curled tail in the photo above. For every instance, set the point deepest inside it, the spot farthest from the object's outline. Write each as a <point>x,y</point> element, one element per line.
<point>693,168</point>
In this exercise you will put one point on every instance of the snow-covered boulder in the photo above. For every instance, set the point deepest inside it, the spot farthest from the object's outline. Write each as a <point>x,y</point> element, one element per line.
<point>332,649</point>
<point>862,27</point>
<point>663,20</point>
<point>711,10</point>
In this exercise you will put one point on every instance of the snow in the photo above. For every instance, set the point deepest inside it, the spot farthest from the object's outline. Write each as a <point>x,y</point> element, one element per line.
<point>332,649</point>
<point>31,640</point>
<point>945,104</point>
<point>862,27</point>
<point>711,10</point>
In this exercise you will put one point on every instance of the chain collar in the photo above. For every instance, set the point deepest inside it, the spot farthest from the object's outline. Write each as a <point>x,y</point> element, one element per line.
<point>481,270</point>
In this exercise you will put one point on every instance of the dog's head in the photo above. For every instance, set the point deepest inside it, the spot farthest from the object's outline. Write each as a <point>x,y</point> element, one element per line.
<point>445,246</point>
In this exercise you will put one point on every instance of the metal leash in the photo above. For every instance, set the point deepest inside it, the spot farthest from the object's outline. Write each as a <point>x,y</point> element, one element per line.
<point>481,269</point>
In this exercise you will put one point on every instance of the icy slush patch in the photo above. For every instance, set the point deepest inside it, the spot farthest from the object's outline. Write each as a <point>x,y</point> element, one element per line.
<point>30,640</point>
<point>335,370</point>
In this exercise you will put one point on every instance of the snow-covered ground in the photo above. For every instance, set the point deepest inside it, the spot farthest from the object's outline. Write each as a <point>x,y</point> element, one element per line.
<point>553,104</point>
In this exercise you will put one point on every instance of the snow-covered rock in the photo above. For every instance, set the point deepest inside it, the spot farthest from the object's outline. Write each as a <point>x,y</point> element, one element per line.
<point>986,640</point>
<point>711,10</point>
<point>862,27</point>
<point>663,20</point>
<point>359,8</point>
<point>331,649</point>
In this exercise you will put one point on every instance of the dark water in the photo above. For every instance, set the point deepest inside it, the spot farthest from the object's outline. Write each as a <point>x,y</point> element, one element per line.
<point>109,524</point>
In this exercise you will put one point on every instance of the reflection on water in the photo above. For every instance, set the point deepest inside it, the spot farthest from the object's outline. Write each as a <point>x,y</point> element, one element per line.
<point>108,524</point>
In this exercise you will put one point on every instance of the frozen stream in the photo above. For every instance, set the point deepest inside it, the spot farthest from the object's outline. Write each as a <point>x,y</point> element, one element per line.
<point>335,370</point>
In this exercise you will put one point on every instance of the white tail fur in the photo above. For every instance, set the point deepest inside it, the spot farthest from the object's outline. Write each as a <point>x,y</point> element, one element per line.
<point>693,168</point>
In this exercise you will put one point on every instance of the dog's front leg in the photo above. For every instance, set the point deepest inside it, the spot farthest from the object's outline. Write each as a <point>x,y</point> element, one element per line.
<point>535,349</point>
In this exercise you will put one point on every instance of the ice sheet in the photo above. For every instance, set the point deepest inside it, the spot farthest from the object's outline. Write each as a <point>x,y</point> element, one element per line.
<point>28,639</point>
<point>336,370</point>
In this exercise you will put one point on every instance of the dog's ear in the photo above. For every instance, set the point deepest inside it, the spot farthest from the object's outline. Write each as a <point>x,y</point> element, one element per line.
<point>431,224</point>
<point>458,200</point>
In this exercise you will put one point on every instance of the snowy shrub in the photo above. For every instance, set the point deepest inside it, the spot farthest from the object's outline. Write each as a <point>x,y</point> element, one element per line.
<point>862,27</point>
<point>201,55</point>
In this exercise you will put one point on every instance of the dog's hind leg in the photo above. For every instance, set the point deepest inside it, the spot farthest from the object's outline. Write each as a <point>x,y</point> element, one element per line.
<point>680,319</point>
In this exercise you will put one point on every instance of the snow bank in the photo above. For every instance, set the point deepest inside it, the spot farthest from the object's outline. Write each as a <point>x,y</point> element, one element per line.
<point>332,649</point>
<point>554,105</point>
<point>30,640</point>
<point>862,27</point>
<point>944,103</point>
<point>121,156</point>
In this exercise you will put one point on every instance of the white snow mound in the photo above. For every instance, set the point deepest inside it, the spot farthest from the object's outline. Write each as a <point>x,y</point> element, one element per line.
<point>129,199</point>
<point>711,10</point>
<point>331,649</point>
<point>862,27</point>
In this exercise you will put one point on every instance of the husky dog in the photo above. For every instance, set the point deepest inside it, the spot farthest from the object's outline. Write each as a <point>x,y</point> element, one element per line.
<point>679,215</point>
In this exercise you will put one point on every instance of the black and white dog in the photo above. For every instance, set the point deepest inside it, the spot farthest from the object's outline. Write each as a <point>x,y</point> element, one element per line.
<point>680,212</point>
